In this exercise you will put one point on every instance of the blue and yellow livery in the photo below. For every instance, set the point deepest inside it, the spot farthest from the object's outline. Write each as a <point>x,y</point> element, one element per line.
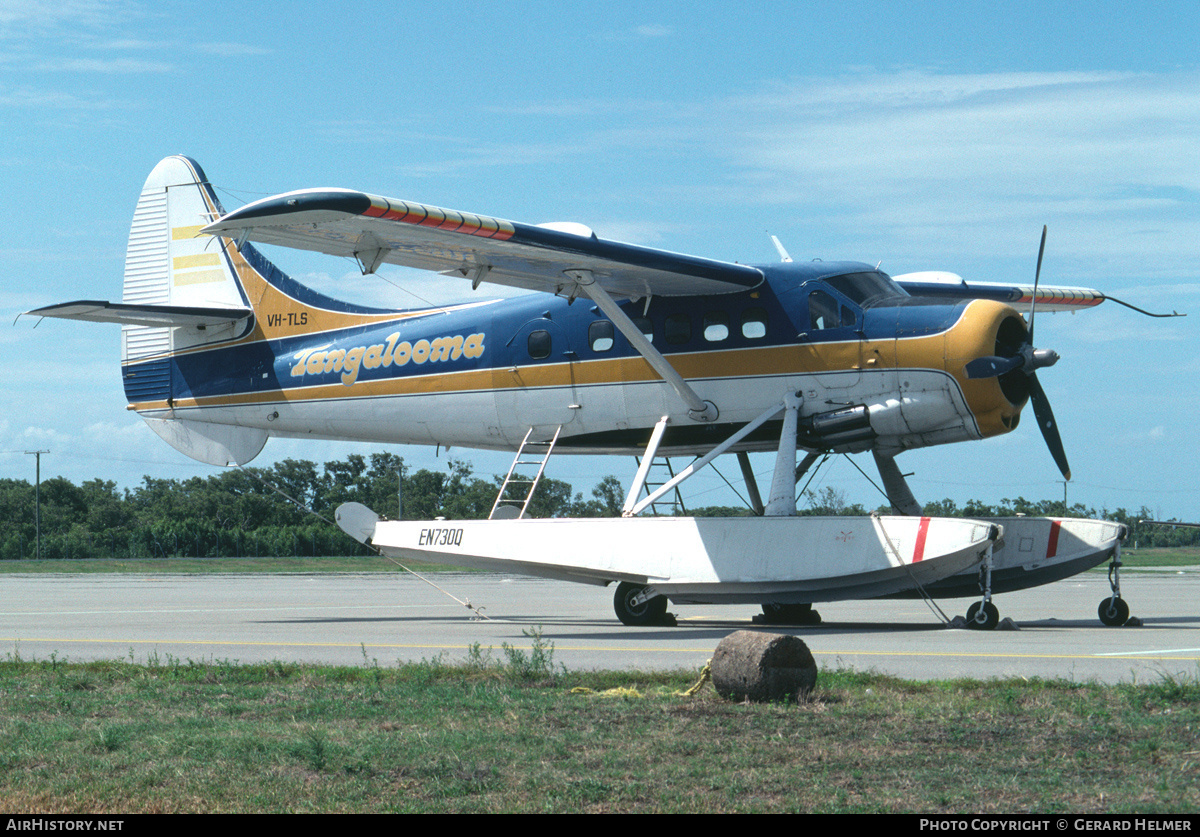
<point>221,350</point>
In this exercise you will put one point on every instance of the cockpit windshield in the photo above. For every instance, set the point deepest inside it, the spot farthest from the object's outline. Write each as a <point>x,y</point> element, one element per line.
<point>866,287</point>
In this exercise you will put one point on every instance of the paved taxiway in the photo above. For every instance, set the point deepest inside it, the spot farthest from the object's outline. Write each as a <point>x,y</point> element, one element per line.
<point>395,617</point>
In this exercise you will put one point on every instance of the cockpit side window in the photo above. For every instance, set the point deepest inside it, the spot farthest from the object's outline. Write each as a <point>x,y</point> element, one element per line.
<point>827,311</point>
<point>823,311</point>
<point>848,317</point>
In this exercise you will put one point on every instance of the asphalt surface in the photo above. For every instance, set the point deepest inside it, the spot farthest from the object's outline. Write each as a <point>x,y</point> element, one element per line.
<point>355,619</point>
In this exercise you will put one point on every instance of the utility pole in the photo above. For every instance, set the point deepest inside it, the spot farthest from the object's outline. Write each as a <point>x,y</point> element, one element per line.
<point>37,454</point>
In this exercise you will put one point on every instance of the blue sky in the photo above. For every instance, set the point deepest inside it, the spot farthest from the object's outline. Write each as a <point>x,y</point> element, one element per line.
<point>918,135</point>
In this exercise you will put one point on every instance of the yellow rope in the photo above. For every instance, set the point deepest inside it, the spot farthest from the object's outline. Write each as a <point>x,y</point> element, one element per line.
<point>627,692</point>
<point>705,676</point>
<point>618,691</point>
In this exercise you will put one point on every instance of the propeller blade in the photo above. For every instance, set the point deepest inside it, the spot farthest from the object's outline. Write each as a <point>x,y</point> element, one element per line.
<point>1049,428</point>
<point>992,366</point>
<point>1036,276</point>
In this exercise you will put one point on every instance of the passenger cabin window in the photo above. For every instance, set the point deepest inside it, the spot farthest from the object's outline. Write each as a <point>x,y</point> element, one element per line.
<point>716,326</point>
<point>645,327</point>
<point>678,329</point>
<point>600,335</point>
<point>754,323</point>
<point>539,344</point>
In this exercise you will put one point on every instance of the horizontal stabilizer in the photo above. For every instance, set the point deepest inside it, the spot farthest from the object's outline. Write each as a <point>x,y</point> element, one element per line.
<point>98,311</point>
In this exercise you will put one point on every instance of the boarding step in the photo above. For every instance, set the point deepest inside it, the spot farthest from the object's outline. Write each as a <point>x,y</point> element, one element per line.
<point>532,452</point>
<point>660,473</point>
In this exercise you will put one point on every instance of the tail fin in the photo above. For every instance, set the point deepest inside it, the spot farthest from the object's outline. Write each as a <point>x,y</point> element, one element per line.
<point>190,297</point>
<point>170,266</point>
<point>169,263</point>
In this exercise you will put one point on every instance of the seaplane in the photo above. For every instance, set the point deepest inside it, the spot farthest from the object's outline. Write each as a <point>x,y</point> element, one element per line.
<point>624,350</point>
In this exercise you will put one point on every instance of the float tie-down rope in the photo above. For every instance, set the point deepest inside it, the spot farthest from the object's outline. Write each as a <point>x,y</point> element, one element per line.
<point>929,602</point>
<point>477,612</point>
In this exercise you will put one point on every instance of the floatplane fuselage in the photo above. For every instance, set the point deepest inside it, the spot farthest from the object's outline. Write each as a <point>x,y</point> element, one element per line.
<point>481,374</point>
<point>628,350</point>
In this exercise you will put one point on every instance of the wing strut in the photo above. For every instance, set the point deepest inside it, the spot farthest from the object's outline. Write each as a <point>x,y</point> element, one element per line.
<point>895,486</point>
<point>644,466</point>
<point>756,503</point>
<point>698,408</point>
<point>647,501</point>
<point>782,502</point>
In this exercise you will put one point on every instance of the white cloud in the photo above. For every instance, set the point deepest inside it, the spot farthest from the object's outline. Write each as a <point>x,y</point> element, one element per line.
<point>25,17</point>
<point>639,32</point>
<point>33,98</point>
<point>229,49</point>
<point>118,66</point>
<point>652,30</point>
<point>45,437</point>
<point>972,165</point>
<point>1079,134</point>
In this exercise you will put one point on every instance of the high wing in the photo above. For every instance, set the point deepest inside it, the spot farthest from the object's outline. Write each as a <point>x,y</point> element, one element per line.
<point>99,311</point>
<point>375,229</point>
<point>941,284</point>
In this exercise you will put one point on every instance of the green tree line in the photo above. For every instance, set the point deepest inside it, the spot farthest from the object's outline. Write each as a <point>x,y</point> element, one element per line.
<point>832,502</point>
<point>287,509</point>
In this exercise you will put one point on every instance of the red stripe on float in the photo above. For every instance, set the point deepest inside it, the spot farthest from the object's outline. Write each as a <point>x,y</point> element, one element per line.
<point>922,531</point>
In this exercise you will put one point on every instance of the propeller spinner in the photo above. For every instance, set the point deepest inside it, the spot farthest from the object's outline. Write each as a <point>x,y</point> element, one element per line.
<point>1025,359</point>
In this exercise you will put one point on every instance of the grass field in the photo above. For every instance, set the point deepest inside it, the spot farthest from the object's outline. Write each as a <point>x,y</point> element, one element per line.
<point>512,732</point>
<point>1182,556</point>
<point>508,730</point>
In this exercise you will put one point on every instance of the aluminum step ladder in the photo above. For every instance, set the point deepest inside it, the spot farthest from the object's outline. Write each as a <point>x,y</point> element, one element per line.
<point>531,452</point>
<point>661,472</point>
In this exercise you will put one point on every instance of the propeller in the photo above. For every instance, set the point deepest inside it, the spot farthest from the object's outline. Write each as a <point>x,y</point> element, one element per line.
<point>1036,276</point>
<point>1049,428</point>
<point>1029,360</point>
<point>993,366</point>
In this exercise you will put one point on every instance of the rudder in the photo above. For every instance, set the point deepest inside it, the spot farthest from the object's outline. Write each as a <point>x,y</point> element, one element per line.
<point>168,262</point>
